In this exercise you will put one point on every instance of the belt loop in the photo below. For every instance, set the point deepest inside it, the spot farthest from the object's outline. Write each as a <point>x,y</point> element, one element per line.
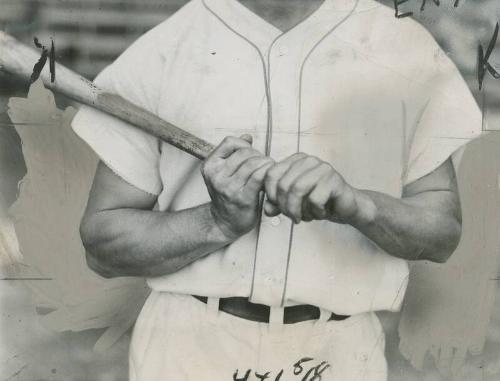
<point>276,318</point>
<point>276,315</point>
<point>324,315</point>
<point>213,307</point>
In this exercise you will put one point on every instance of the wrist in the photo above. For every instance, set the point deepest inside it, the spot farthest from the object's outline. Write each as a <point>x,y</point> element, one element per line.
<point>365,209</point>
<point>220,230</point>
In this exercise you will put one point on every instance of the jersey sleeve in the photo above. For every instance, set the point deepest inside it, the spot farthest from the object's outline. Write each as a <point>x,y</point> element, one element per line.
<point>131,153</point>
<point>448,119</point>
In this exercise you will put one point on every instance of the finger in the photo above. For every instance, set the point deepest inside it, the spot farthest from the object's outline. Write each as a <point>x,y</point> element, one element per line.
<point>246,172</point>
<point>317,177</point>
<point>271,209</point>
<point>298,182</point>
<point>306,214</point>
<point>251,164</point>
<point>233,163</point>
<point>229,145</point>
<point>318,198</point>
<point>276,172</point>
<point>218,169</point>
<point>247,137</point>
<point>248,166</point>
<point>289,195</point>
<point>255,181</point>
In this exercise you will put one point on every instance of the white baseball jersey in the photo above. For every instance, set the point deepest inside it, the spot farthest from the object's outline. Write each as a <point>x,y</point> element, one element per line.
<point>373,95</point>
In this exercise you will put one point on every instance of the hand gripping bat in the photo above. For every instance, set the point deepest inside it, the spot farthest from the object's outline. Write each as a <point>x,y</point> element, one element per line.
<point>18,59</point>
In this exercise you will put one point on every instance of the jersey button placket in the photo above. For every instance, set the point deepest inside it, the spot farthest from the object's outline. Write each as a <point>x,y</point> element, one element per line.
<point>273,245</point>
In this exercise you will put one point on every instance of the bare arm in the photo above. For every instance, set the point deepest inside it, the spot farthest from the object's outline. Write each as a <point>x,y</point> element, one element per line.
<point>124,237</point>
<point>424,224</point>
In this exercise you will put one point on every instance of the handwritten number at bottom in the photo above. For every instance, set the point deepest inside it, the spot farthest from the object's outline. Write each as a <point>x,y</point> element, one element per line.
<point>301,371</point>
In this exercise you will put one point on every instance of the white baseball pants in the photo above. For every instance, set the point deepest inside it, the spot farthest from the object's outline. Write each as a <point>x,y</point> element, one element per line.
<point>179,338</point>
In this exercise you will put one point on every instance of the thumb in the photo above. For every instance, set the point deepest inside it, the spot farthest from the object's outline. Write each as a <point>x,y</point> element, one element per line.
<point>271,209</point>
<point>247,137</point>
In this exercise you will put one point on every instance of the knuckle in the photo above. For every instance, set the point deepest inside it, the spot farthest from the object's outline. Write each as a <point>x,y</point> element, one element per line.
<point>297,188</point>
<point>218,184</point>
<point>311,160</point>
<point>272,175</point>
<point>230,141</point>
<point>315,201</point>
<point>340,188</point>
<point>257,161</point>
<point>257,175</point>
<point>337,179</point>
<point>242,150</point>
<point>206,170</point>
<point>243,154</point>
<point>282,186</point>
<point>269,161</point>
<point>273,170</point>
<point>240,200</point>
<point>255,152</point>
<point>247,152</point>
<point>325,166</point>
<point>269,187</point>
<point>226,192</point>
<point>249,162</point>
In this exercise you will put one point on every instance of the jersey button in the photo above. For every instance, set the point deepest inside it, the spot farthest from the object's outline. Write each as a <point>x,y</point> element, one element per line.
<point>282,49</point>
<point>275,221</point>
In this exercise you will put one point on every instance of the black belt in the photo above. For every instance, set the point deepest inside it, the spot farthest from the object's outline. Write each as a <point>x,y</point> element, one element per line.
<point>244,309</point>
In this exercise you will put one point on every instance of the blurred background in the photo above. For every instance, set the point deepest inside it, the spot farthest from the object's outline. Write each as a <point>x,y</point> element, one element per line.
<point>90,34</point>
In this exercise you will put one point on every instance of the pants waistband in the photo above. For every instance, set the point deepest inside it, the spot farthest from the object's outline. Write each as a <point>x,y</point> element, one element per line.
<point>242,308</point>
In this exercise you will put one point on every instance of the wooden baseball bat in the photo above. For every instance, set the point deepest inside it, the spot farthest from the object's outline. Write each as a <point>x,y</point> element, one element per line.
<point>18,59</point>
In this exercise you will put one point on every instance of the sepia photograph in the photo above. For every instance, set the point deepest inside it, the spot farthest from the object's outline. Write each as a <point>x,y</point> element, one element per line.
<point>249,190</point>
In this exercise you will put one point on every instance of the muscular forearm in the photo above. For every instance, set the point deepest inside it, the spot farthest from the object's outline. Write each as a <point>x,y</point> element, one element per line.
<point>124,237</point>
<point>423,226</point>
<point>134,242</point>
